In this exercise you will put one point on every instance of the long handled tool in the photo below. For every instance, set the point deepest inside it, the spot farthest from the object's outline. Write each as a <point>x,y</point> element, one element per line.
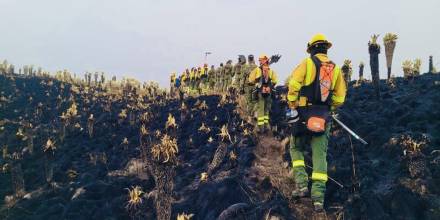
<point>349,130</point>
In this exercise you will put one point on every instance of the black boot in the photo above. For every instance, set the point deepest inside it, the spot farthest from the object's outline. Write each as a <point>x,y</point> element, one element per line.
<point>319,213</point>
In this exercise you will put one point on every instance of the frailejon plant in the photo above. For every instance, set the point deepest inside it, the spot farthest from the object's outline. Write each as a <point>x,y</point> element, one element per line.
<point>361,71</point>
<point>389,42</point>
<point>417,64</point>
<point>134,200</point>
<point>204,129</point>
<point>171,122</point>
<point>49,150</point>
<point>374,50</point>
<point>411,68</point>
<point>224,134</point>
<point>347,70</point>
<point>184,216</point>
<point>165,151</point>
<point>204,177</point>
<point>407,67</point>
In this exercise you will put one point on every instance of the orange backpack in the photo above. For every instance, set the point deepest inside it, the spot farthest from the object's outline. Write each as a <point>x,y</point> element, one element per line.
<point>316,112</point>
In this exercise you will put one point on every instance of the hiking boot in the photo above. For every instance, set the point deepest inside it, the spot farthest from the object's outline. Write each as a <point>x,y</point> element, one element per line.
<point>267,128</point>
<point>300,192</point>
<point>318,207</point>
<point>319,215</point>
<point>259,129</point>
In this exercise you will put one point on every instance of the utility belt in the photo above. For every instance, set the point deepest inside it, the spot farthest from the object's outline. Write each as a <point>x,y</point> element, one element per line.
<point>313,120</point>
<point>266,90</point>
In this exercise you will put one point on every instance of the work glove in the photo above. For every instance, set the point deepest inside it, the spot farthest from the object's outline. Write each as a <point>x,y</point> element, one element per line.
<point>293,105</point>
<point>292,116</point>
<point>333,110</point>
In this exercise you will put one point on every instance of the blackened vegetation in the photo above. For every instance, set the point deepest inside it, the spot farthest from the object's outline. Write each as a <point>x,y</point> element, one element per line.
<point>397,176</point>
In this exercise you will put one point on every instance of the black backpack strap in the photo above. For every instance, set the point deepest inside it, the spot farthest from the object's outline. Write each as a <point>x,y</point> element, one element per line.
<point>310,91</point>
<point>316,87</point>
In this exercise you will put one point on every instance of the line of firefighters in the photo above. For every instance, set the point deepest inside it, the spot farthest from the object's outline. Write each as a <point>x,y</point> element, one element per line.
<point>316,87</point>
<point>243,78</point>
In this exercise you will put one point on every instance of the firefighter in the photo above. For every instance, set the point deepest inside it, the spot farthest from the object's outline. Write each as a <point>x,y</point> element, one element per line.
<point>248,87</point>
<point>264,79</point>
<point>315,88</point>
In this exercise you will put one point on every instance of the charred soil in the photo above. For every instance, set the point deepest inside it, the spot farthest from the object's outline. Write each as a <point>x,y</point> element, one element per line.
<point>237,175</point>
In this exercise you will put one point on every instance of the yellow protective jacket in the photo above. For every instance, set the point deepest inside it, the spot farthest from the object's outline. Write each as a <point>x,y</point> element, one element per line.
<point>255,75</point>
<point>184,76</point>
<point>305,73</point>
<point>191,75</point>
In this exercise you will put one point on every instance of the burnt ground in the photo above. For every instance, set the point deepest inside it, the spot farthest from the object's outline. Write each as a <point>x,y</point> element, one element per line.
<point>396,176</point>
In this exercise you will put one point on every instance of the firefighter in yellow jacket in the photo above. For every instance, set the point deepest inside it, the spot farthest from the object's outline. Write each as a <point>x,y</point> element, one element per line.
<point>316,87</point>
<point>264,79</point>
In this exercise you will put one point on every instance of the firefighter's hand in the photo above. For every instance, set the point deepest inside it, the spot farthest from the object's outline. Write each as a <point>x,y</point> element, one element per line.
<point>292,116</point>
<point>333,110</point>
<point>293,105</point>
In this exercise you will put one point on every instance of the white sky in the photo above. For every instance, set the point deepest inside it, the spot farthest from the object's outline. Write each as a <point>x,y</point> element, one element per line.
<point>149,39</point>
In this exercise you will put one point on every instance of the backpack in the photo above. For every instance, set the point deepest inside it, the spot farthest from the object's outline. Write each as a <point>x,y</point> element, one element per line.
<point>316,113</point>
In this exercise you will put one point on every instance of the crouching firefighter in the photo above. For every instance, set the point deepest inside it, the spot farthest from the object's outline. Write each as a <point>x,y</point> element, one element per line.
<point>264,79</point>
<point>315,88</point>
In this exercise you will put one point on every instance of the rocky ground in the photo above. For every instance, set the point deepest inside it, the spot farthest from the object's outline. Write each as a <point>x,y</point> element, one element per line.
<point>88,176</point>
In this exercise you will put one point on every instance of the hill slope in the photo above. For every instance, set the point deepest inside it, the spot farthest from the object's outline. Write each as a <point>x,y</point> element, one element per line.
<point>87,176</point>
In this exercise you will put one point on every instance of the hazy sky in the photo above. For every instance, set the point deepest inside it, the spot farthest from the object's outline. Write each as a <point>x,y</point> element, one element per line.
<point>148,39</point>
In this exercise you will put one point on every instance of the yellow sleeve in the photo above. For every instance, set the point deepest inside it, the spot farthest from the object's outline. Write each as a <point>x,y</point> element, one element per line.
<point>295,83</point>
<point>253,75</point>
<point>274,78</point>
<point>340,91</point>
